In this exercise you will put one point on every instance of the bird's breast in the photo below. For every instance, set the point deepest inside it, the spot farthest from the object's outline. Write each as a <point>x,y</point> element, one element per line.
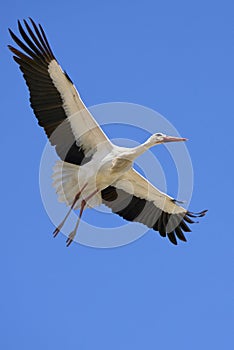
<point>105,171</point>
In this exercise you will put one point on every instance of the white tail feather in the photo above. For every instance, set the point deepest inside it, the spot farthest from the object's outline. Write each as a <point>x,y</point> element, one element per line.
<point>65,181</point>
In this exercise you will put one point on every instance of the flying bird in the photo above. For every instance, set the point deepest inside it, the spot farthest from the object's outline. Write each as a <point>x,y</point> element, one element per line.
<point>91,170</point>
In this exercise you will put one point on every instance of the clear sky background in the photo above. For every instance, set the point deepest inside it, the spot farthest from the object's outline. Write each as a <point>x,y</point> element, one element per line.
<point>172,56</point>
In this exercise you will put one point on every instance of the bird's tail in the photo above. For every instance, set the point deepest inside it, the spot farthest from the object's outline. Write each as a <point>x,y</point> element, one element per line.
<point>65,181</point>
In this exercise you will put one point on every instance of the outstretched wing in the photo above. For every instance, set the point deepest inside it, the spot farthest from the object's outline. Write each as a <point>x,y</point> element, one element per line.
<point>136,199</point>
<point>54,99</point>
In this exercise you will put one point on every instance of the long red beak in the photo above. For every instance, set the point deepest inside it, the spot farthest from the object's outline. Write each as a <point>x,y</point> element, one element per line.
<point>173,139</point>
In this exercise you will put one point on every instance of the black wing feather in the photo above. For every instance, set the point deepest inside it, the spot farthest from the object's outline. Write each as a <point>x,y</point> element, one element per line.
<point>170,225</point>
<point>45,99</point>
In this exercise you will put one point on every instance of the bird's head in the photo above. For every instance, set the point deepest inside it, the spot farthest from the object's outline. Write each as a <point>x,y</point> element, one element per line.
<point>158,138</point>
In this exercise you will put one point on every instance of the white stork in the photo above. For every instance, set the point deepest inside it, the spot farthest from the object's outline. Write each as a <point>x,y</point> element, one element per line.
<point>92,170</point>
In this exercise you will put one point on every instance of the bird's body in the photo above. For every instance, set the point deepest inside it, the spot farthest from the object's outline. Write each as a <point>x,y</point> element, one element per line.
<point>103,169</point>
<point>92,170</point>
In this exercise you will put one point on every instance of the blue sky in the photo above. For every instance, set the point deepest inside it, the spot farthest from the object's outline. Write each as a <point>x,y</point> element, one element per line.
<point>176,58</point>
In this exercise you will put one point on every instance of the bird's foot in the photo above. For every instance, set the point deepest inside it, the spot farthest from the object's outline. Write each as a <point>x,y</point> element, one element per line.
<point>70,238</point>
<point>57,230</point>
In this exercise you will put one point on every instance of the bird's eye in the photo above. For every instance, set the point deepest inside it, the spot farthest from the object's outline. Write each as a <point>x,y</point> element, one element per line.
<point>159,134</point>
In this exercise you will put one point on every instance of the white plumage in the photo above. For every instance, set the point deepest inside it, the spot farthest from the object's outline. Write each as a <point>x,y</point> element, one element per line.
<point>92,170</point>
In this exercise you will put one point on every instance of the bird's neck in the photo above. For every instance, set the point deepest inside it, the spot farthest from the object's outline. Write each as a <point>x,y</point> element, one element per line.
<point>137,151</point>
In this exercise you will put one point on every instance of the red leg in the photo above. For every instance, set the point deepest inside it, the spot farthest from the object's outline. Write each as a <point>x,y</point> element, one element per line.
<point>73,233</point>
<point>83,204</point>
<point>57,230</point>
